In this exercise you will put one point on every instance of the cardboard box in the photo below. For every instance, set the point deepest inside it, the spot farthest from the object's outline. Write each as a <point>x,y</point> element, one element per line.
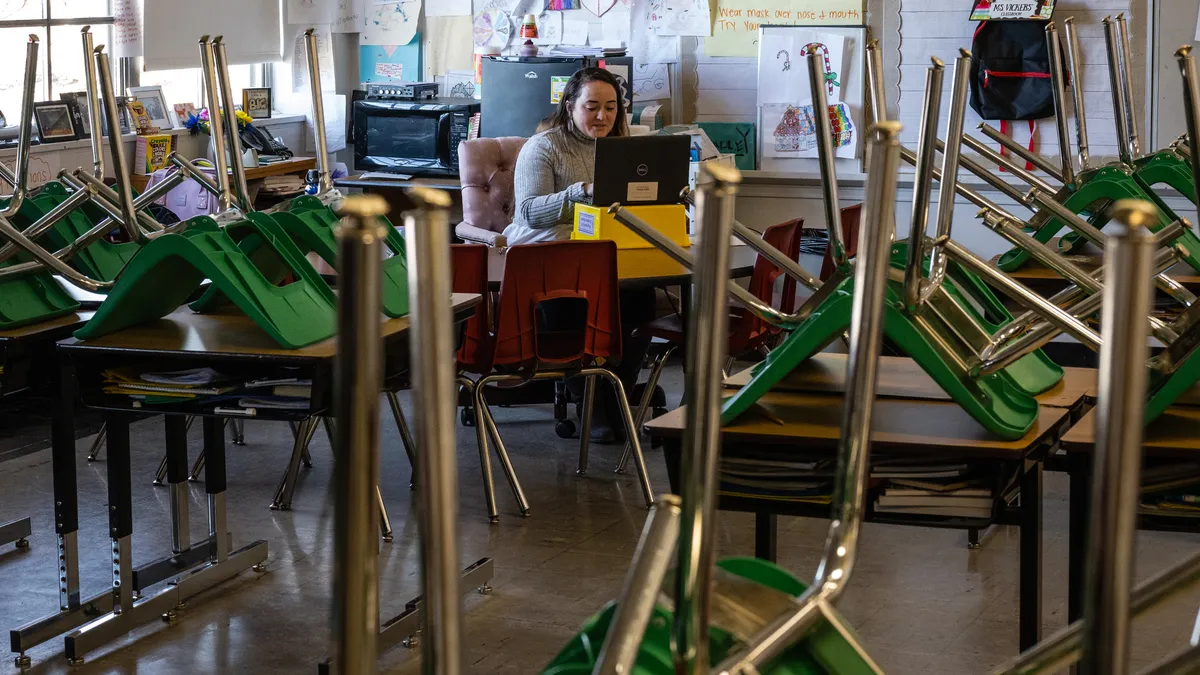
<point>595,222</point>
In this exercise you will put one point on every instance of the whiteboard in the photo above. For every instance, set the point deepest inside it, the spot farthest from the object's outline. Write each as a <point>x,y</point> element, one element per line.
<point>853,95</point>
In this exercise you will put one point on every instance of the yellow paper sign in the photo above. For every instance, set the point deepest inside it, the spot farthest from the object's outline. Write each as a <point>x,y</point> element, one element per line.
<point>736,22</point>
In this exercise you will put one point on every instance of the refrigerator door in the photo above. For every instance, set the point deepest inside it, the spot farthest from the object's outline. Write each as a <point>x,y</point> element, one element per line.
<point>517,94</point>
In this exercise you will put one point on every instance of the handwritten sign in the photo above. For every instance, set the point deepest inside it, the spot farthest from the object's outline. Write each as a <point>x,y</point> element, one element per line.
<point>127,28</point>
<point>736,22</point>
<point>736,138</point>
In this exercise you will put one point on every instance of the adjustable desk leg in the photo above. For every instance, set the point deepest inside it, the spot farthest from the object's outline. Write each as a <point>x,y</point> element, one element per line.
<point>177,475</point>
<point>1079,470</point>
<point>1031,554</point>
<point>214,485</point>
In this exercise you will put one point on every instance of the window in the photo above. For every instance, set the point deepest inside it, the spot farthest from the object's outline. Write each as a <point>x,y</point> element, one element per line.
<point>187,86</point>
<point>60,57</point>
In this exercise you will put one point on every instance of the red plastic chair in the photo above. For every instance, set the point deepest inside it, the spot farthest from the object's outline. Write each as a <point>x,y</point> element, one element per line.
<point>538,273</point>
<point>850,217</point>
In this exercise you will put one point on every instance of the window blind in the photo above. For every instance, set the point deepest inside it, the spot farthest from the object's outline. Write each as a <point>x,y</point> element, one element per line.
<point>172,29</point>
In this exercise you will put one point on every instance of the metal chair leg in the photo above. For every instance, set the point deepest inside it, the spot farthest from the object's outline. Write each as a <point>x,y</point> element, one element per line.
<point>385,523</point>
<point>644,404</point>
<point>406,438</point>
<point>287,485</point>
<point>97,444</point>
<point>239,432</point>
<point>585,432</point>
<point>485,415</point>
<point>632,431</point>
<point>485,458</point>
<point>161,473</point>
<point>197,467</point>
<point>306,457</point>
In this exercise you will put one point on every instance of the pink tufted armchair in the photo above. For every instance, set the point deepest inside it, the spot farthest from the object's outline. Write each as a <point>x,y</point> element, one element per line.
<point>486,169</point>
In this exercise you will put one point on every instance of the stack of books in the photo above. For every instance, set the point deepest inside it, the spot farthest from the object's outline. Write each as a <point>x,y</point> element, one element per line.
<point>172,387</point>
<point>1171,489</point>
<point>931,488</point>
<point>804,481</point>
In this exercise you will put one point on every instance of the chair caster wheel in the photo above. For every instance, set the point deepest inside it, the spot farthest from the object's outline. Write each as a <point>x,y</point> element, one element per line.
<point>387,538</point>
<point>493,519</point>
<point>565,429</point>
<point>467,417</point>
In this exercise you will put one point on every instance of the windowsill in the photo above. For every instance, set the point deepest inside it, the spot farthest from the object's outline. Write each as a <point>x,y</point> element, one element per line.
<point>87,143</point>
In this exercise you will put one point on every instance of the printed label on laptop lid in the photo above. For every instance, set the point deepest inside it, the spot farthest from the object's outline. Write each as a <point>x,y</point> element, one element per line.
<point>587,224</point>
<point>642,192</point>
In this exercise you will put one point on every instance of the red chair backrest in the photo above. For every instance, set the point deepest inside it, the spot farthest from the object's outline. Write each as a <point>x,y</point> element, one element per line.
<point>850,217</point>
<point>535,273</point>
<point>748,330</point>
<point>470,265</point>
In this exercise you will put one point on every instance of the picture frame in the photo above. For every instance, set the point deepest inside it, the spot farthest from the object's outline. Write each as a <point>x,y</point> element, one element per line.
<point>256,101</point>
<point>79,103</point>
<point>156,105</point>
<point>183,111</point>
<point>54,120</point>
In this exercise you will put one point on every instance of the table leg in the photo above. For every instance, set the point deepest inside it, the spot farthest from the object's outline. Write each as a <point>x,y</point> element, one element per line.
<point>17,532</point>
<point>766,539</point>
<point>214,486</point>
<point>1031,555</point>
<point>177,475</point>
<point>1079,471</point>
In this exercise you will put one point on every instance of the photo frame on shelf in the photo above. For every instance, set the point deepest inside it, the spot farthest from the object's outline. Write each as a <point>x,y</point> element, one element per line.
<point>79,105</point>
<point>256,101</point>
<point>55,123</point>
<point>156,105</point>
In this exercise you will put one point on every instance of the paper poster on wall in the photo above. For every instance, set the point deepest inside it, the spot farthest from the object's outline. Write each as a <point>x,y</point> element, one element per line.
<point>310,11</point>
<point>492,28</point>
<point>448,8</point>
<point>574,32</point>
<point>549,28</point>
<point>736,22</point>
<point>622,74</point>
<point>615,26</point>
<point>444,38</point>
<point>686,18</point>
<point>459,84</point>
<point>389,63</point>
<point>127,28</point>
<point>296,53</point>
<point>735,138</point>
<point>651,82</point>
<point>783,65</point>
<point>348,16</point>
<point>646,45</point>
<point>391,24</point>
<point>789,130</point>
<point>564,4</point>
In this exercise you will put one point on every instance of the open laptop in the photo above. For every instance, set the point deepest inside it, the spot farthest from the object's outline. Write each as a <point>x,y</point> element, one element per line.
<point>641,170</point>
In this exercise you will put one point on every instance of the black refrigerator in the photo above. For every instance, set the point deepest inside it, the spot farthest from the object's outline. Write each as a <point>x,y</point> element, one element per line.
<point>519,92</point>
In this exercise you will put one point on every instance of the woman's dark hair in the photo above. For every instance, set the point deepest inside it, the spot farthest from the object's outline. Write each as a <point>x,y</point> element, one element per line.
<point>561,118</point>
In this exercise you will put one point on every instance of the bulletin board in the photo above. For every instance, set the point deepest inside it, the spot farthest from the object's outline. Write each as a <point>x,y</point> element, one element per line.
<point>784,108</point>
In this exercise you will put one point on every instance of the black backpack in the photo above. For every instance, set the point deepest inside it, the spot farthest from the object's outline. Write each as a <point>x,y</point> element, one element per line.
<point>1010,71</point>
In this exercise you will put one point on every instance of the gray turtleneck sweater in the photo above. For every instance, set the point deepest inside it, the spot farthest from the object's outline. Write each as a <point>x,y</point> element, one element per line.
<point>551,171</point>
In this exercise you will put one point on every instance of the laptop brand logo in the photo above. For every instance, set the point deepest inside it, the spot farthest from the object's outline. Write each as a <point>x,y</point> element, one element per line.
<point>531,75</point>
<point>642,170</point>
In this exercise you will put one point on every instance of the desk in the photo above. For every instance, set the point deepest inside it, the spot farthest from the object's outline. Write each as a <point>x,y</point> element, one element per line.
<point>901,377</point>
<point>183,339</point>
<point>1172,436</point>
<point>394,192</point>
<point>901,427</point>
<point>26,352</point>
<point>254,175</point>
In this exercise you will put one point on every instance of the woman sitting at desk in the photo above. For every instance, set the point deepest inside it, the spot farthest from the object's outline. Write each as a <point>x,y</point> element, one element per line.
<point>554,170</point>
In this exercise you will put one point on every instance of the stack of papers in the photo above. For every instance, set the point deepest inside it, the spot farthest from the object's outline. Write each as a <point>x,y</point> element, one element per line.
<point>164,387</point>
<point>932,488</point>
<point>802,480</point>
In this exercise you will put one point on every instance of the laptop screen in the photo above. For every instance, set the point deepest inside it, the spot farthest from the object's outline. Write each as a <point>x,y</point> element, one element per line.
<point>641,170</point>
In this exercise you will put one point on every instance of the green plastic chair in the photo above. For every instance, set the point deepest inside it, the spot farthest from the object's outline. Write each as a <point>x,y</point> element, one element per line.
<point>101,260</point>
<point>31,299</point>
<point>169,269</point>
<point>823,651</point>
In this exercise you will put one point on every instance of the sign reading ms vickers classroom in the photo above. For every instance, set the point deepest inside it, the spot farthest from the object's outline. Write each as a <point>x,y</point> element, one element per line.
<point>736,22</point>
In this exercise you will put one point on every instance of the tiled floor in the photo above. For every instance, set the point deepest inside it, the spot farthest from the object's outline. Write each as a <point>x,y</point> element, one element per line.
<point>921,601</point>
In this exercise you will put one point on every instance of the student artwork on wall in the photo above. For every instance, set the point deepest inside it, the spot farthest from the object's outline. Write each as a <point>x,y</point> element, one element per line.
<point>783,65</point>
<point>686,17</point>
<point>492,28</point>
<point>651,82</point>
<point>598,7</point>
<point>791,130</point>
<point>645,44</point>
<point>394,23</point>
<point>549,28</point>
<point>563,4</point>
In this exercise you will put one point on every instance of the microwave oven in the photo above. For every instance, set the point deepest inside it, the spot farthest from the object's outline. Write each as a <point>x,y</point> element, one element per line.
<point>419,138</point>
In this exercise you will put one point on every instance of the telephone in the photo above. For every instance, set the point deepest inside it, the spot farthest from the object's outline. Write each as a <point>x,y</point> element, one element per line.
<point>253,137</point>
